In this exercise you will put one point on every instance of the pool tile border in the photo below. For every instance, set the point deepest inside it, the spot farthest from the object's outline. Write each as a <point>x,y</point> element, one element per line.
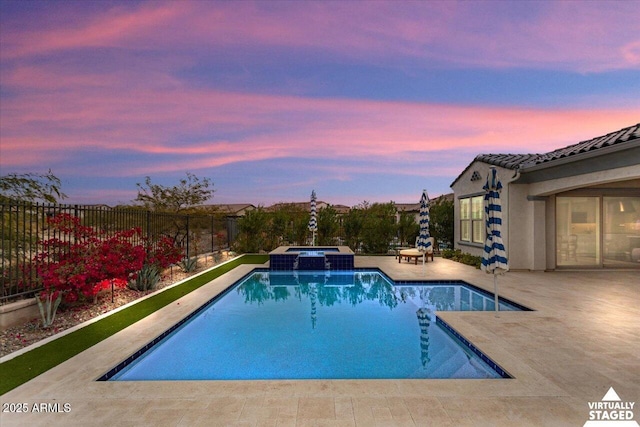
<point>486,359</point>
<point>122,365</point>
<point>456,335</point>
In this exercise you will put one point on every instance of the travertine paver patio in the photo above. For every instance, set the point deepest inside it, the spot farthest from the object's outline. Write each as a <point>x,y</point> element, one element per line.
<point>583,338</point>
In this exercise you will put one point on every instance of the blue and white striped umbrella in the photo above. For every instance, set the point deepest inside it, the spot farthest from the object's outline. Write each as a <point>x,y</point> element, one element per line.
<point>424,243</point>
<point>313,221</point>
<point>494,256</point>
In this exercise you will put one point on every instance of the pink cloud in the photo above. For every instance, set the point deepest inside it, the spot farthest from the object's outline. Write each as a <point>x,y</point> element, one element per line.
<point>116,85</point>
<point>116,28</point>
<point>556,35</point>
<point>271,126</point>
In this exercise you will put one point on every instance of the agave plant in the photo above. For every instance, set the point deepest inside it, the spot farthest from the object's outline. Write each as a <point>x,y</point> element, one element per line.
<point>147,278</point>
<point>189,264</point>
<point>48,305</point>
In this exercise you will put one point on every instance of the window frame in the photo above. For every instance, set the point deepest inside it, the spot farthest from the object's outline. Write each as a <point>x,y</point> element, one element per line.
<point>472,227</point>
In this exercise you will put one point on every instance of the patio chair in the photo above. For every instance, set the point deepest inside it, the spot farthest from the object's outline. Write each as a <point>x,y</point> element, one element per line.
<point>416,254</point>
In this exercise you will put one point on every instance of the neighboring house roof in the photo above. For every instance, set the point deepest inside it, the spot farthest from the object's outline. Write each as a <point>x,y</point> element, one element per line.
<point>341,209</point>
<point>303,206</point>
<point>233,208</point>
<point>100,206</point>
<point>523,161</point>
<point>415,207</point>
<point>408,207</point>
<point>448,197</point>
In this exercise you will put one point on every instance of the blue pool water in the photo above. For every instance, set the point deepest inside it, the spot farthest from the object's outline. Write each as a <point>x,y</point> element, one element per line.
<point>319,325</point>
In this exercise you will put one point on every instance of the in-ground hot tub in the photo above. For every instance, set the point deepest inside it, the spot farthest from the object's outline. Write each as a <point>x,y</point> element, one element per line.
<point>286,258</point>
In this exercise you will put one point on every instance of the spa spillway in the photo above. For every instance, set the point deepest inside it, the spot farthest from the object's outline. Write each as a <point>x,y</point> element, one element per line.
<point>307,258</point>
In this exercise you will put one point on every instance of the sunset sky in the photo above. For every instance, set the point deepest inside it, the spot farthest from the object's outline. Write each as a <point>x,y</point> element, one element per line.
<point>358,100</point>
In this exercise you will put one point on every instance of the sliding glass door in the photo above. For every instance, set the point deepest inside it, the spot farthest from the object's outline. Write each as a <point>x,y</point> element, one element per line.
<point>598,231</point>
<point>621,231</point>
<point>578,231</point>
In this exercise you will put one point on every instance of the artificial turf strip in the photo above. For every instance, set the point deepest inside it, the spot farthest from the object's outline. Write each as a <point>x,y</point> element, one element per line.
<point>27,366</point>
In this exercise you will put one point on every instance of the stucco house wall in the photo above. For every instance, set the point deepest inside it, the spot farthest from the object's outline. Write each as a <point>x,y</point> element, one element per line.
<point>517,213</point>
<point>606,166</point>
<point>467,187</point>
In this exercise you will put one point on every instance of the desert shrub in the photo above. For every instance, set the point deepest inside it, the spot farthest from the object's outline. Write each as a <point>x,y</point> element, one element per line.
<point>147,278</point>
<point>464,258</point>
<point>189,264</point>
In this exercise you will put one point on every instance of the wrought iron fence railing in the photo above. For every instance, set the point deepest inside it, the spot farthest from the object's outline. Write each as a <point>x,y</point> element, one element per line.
<point>24,226</point>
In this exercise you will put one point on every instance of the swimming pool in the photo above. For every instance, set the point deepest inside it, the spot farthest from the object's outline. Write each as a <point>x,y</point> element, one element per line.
<point>319,325</point>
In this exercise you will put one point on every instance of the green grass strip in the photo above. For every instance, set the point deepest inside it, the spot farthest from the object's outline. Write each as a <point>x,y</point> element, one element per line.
<point>27,366</point>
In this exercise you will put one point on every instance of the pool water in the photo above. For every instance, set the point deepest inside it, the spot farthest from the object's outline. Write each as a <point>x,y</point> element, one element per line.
<point>320,325</point>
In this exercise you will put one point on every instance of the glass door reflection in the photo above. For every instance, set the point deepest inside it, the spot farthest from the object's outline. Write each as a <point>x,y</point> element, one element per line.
<point>621,237</point>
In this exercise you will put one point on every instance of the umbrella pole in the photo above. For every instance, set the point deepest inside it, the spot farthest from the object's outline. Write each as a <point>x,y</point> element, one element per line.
<point>495,293</point>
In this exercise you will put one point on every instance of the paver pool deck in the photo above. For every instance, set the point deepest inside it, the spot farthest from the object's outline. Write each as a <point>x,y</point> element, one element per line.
<point>582,339</point>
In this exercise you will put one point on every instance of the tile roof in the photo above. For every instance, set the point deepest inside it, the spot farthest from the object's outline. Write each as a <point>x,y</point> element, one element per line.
<point>509,161</point>
<point>514,161</point>
<point>614,138</point>
<point>522,161</point>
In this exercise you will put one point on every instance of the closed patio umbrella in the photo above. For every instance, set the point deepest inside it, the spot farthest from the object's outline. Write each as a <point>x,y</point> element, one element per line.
<point>423,244</point>
<point>494,256</point>
<point>313,222</point>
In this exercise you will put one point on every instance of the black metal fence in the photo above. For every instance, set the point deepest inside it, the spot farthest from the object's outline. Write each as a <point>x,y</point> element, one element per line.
<point>24,226</point>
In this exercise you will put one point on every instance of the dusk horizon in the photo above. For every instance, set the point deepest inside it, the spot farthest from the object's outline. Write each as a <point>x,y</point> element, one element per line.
<point>359,101</point>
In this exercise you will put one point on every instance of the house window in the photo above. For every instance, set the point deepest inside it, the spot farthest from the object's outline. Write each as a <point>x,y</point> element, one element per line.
<point>472,219</point>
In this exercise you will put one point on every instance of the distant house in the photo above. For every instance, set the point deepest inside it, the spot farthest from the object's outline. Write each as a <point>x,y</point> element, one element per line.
<point>306,207</point>
<point>575,207</point>
<point>233,210</point>
<point>408,208</point>
<point>341,209</point>
<point>98,207</point>
<point>300,206</point>
<point>414,208</point>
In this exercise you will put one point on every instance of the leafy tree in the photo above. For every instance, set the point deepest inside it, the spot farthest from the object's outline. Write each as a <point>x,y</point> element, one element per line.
<point>379,227</point>
<point>31,187</point>
<point>189,193</point>
<point>299,226</point>
<point>252,228</point>
<point>279,220</point>
<point>353,223</point>
<point>182,198</point>
<point>286,224</point>
<point>328,225</point>
<point>408,228</point>
<point>442,221</point>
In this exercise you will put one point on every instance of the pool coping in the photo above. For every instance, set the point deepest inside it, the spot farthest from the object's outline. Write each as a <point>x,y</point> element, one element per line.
<point>68,331</point>
<point>457,336</point>
<point>558,366</point>
<point>216,288</point>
